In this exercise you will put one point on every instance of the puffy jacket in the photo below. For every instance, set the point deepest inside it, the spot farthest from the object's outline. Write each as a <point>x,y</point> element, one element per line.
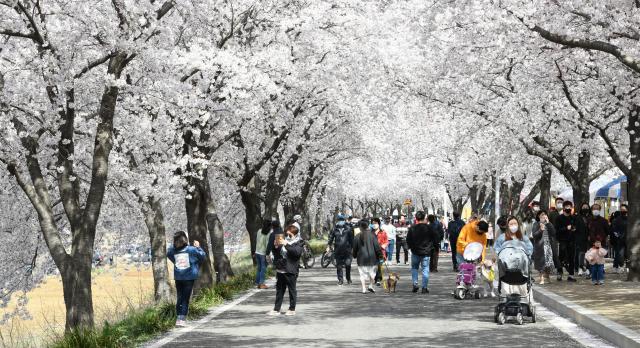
<point>186,262</point>
<point>341,237</point>
<point>422,239</point>
<point>596,256</point>
<point>290,263</point>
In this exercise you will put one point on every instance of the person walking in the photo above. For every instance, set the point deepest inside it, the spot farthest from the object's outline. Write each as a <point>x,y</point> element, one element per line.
<point>391,232</point>
<point>262,243</point>
<point>422,238</point>
<point>473,232</point>
<point>618,237</point>
<point>515,238</point>
<point>287,252</point>
<point>383,241</point>
<point>368,255</point>
<point>401,240</point>
<point>582,239</point>
<point>565,232</point>
<point>186,269</point>
<point>453,230</point>
<point>545,246</point>
<point>435,225</point>
<point>341,238</point>
<point>599,229</point>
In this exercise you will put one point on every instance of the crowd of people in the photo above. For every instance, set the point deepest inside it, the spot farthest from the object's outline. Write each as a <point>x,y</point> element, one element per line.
<point>558,240</point>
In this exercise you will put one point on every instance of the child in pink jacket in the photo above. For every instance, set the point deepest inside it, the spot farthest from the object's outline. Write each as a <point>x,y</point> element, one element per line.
<point>595,258</point>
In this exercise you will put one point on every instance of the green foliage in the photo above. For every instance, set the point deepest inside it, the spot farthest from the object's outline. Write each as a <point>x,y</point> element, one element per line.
<point>141,325</point>
<point>318,246</point>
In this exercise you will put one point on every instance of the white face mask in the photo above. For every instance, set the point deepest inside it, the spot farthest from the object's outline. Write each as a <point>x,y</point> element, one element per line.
<point>513,229</point>
<point>376,226</point>
<point>596,213</point>
<point>559,206</point>
<point>536,209</point>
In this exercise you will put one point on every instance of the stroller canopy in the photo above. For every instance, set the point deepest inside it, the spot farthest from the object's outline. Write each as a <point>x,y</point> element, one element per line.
<point>473,251</point>
<point>513,264</point>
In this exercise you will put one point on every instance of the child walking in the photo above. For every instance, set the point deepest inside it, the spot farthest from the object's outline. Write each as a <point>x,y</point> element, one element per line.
<point>286,259</point>
<point>595,257</point>
<point>186,260</point>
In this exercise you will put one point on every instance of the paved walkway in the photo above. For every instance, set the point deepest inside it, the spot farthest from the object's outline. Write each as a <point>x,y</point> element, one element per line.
<point>617,300</point>
<point>332,316</point>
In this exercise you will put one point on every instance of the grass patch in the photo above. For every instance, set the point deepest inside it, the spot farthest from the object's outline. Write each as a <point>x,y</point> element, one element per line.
<point>318,246</point>
<point>142,325</point>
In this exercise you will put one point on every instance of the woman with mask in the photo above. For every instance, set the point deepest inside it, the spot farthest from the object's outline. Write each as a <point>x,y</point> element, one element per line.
<point>383,241</point>
<point>545,246</point>
<point>582,239</point>
<point>368,254</point>
<point>514,238</point>
<point>598,226</point>
<point>287,252</point>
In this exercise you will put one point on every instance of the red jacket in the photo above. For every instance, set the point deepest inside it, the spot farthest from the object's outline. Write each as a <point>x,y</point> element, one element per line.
<point>383,240</point>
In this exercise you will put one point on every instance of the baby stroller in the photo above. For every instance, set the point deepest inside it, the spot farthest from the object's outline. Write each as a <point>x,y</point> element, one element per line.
<point>466,281</point>
<point>514,269</point>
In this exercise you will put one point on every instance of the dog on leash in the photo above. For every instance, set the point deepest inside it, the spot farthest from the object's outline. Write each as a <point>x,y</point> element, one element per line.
<point>392,281</point>
<point>487,270</point>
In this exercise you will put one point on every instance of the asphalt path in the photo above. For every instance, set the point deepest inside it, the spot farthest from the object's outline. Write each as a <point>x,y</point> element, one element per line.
<point>329,315</point>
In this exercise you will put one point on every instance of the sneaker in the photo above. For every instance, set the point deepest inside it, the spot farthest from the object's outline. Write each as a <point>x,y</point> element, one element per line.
<point>415,288</point>
<point>349,282</point>
<point>559,277</point>
<point>587,273</point>
<point>571,279</point>
<point>364,291</point>
<point>378,284</point>
<point>601,282</point>
<point>425,290</point>
<point>181,323</point>
<point>371,290</point>
<point>290,313</point>
<point>580,273</point>
<point>263,287</point>
<point>595,283</point>
<point>273,313</point>
<point>340,283</point>
<point>616,270</point>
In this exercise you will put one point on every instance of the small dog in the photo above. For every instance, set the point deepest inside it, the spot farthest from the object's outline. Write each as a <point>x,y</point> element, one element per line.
<point>392,281</point>
<point>487,270</point>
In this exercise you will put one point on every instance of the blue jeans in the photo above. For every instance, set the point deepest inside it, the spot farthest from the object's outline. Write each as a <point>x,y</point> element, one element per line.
<point>261,273</point>
<point>391,248</point>
<point>416,262</point>
<point>597,273</point>
<point>183,290</point>
<point>460,259</point>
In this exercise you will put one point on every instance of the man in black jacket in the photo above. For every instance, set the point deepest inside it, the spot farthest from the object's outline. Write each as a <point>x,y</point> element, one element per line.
<point>341,237</point>
<point>566,234</point>
<point>421,239</point>
<point>454,228</point>
<point>435,224</point>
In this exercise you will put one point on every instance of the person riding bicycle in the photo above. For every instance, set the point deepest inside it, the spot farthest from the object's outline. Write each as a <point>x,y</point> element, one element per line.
<point>341,238</point>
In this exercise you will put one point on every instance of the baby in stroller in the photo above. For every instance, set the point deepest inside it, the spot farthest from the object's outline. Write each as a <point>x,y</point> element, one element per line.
<point>514,275</point>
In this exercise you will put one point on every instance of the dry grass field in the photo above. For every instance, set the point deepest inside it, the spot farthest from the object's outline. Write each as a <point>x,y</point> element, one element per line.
<point>115,291</point>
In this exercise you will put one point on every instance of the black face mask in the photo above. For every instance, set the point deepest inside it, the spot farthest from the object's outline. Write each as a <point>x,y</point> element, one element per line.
<point>585,211</point>
<point>568,211</point>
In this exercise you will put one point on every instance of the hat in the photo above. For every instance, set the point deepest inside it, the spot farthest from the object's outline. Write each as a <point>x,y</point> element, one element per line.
<point>341,217</point>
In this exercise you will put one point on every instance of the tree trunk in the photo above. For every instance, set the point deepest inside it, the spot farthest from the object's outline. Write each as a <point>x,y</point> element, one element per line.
<point>221,262</point>
<point>545,186</point>
<point>633,192</point>
<point>196,208</point>
<point>76,288</point>
<point>251,203</point>
<point>154,220</point>
<point>580,189</point>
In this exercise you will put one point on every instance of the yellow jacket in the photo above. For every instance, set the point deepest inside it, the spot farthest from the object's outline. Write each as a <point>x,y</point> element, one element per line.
<point>468,235</point>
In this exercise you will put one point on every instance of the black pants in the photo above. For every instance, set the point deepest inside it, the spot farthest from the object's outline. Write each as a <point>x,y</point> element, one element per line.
<point>183,290</point>
<point>454,254</point>
<point>378,277</point>
<point>286,281</point>
<point>344,260</point>
<point>567,256</point>
<point>433,261</point>
<point>618,258</point>
<point>402,243</point>
<point>579,261</point>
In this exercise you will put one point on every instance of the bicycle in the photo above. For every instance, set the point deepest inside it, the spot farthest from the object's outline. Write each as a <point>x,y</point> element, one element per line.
<point>308,259</point>
<point>328,257</point>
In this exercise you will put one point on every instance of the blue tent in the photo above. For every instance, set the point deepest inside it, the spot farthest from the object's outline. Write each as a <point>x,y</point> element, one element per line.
<point>611,189</point>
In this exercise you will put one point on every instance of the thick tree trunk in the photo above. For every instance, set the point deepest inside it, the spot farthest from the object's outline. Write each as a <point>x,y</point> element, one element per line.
<point>251,203</point>
<point>633,229</point>
<point>196,207</point>
<point>221,262</point>
<point>580,188</point>
<point>76,288</point>
<point>154,220</point>
<point>545,186</point>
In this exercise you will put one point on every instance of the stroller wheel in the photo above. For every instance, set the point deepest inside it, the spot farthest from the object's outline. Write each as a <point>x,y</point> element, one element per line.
<point>519,319</point>
<point>460,294</point>
<point>501,318</point>
<point>476,295</point>
<point>533,314</point>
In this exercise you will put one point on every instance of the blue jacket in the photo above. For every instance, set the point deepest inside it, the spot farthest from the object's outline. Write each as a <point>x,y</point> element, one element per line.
<point>186,262</point>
